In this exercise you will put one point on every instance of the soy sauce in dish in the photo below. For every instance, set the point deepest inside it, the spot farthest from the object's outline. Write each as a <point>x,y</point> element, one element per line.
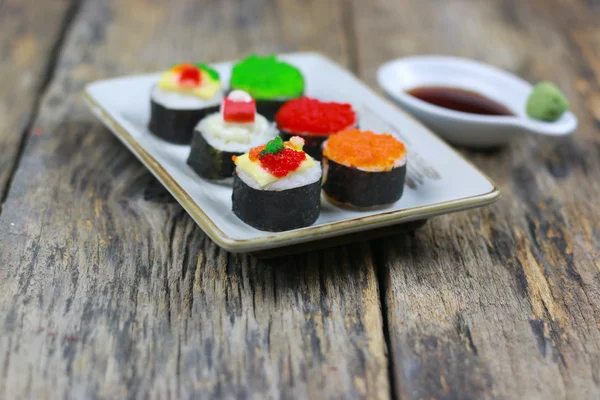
<point>459,100</point>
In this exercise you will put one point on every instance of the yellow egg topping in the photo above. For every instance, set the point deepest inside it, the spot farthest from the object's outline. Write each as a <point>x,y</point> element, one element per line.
<point>190,79</point>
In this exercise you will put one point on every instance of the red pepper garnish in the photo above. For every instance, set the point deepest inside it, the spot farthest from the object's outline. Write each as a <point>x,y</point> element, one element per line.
<point>239,112</point>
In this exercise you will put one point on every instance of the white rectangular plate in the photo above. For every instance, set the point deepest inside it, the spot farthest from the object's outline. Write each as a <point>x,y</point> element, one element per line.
<point>439,180</point>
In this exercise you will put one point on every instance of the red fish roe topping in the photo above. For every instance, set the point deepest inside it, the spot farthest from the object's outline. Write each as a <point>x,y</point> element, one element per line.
<point>189,75</point>
<point>364,149</point>
<point>279,158</point>
<point>306,115</point>
<point>283,162</point>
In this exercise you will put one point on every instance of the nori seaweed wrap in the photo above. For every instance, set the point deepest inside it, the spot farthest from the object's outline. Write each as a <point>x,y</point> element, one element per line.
<point>276,211</point>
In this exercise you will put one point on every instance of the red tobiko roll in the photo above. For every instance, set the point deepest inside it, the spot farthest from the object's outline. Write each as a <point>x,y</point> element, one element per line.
<point>312,116</point>
<point>314,121</point>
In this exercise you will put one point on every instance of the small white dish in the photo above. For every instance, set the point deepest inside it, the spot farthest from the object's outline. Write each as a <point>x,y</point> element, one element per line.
<point>439,180</point>
<point>398,76</point>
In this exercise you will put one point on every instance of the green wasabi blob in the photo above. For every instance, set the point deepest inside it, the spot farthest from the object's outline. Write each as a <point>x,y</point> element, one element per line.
<point>546,102</point>
<point>267,78</point>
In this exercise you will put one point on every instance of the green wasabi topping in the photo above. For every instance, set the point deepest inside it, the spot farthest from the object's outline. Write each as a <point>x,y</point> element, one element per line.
<point>211,72</point>
<point>267,78</point>
<point>546,102</point>
<point>273,146</point>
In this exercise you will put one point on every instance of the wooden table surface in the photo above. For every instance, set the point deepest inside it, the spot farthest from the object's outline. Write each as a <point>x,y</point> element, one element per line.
<point>109,290</point>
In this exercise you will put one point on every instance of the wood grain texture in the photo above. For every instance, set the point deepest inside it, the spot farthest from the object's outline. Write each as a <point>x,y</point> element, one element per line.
<point>28,33</point>
<point>110,290</point>
<point>502,302</point>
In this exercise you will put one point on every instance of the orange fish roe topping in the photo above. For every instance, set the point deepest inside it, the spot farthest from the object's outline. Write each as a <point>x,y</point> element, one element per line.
<point>180,67</point>
<point>364,149</point>
<point>254,154</point>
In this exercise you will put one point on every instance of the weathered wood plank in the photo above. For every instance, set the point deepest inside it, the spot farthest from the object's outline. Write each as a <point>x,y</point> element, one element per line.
<point>502,302</point>
<point>28,33</point>
<point>110,290</point>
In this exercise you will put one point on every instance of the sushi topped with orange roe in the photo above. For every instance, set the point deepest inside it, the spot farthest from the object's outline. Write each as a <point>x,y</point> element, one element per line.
<point>314,121</point>
<point>277,186</point>
<point>363,169</point>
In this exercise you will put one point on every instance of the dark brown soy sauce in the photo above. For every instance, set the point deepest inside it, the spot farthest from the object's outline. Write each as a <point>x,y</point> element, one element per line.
<point>459,100</point>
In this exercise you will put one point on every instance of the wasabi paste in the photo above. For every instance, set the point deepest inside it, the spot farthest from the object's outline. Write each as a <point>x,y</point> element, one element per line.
<point>546,102</point>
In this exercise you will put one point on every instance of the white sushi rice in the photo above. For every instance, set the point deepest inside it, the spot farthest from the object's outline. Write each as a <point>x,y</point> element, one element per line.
<point>235,138</point>
<point>291,181</point>
<point>181,101</point>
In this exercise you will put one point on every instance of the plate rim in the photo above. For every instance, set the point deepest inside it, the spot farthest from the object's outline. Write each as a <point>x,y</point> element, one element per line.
<point>308,234</point>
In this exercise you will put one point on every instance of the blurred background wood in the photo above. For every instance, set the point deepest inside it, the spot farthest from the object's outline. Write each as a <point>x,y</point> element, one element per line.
<point>29,33</point>
<point>108,289</point>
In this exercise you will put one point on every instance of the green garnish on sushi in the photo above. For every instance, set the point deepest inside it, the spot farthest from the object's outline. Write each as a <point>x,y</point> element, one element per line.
<point>273,146</point>
<point>211,72</point>
<point>267,78</point>
<point>546,102</point>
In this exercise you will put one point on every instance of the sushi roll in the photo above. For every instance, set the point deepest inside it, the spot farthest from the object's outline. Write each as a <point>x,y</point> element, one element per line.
<point>270,81</point>
<point>314,121</point>
<point>181,98</point>
<point>277,186</point>
<point>234,130</point>
<point>363,170</point>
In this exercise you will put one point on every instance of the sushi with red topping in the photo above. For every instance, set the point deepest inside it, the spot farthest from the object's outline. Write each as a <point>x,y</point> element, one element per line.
<point>234,130</point>
<point>182,97</point>
<point>277,186</point>
<point>314,121</point>
<point>363,170</point>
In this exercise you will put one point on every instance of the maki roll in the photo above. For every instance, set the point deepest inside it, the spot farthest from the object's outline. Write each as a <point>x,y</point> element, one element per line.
<point>270,81</point>
<point>277,186</point>
<point>181,98</point>
<point>234,130</point>
<point>314,121</point>
<point>362,169</point>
